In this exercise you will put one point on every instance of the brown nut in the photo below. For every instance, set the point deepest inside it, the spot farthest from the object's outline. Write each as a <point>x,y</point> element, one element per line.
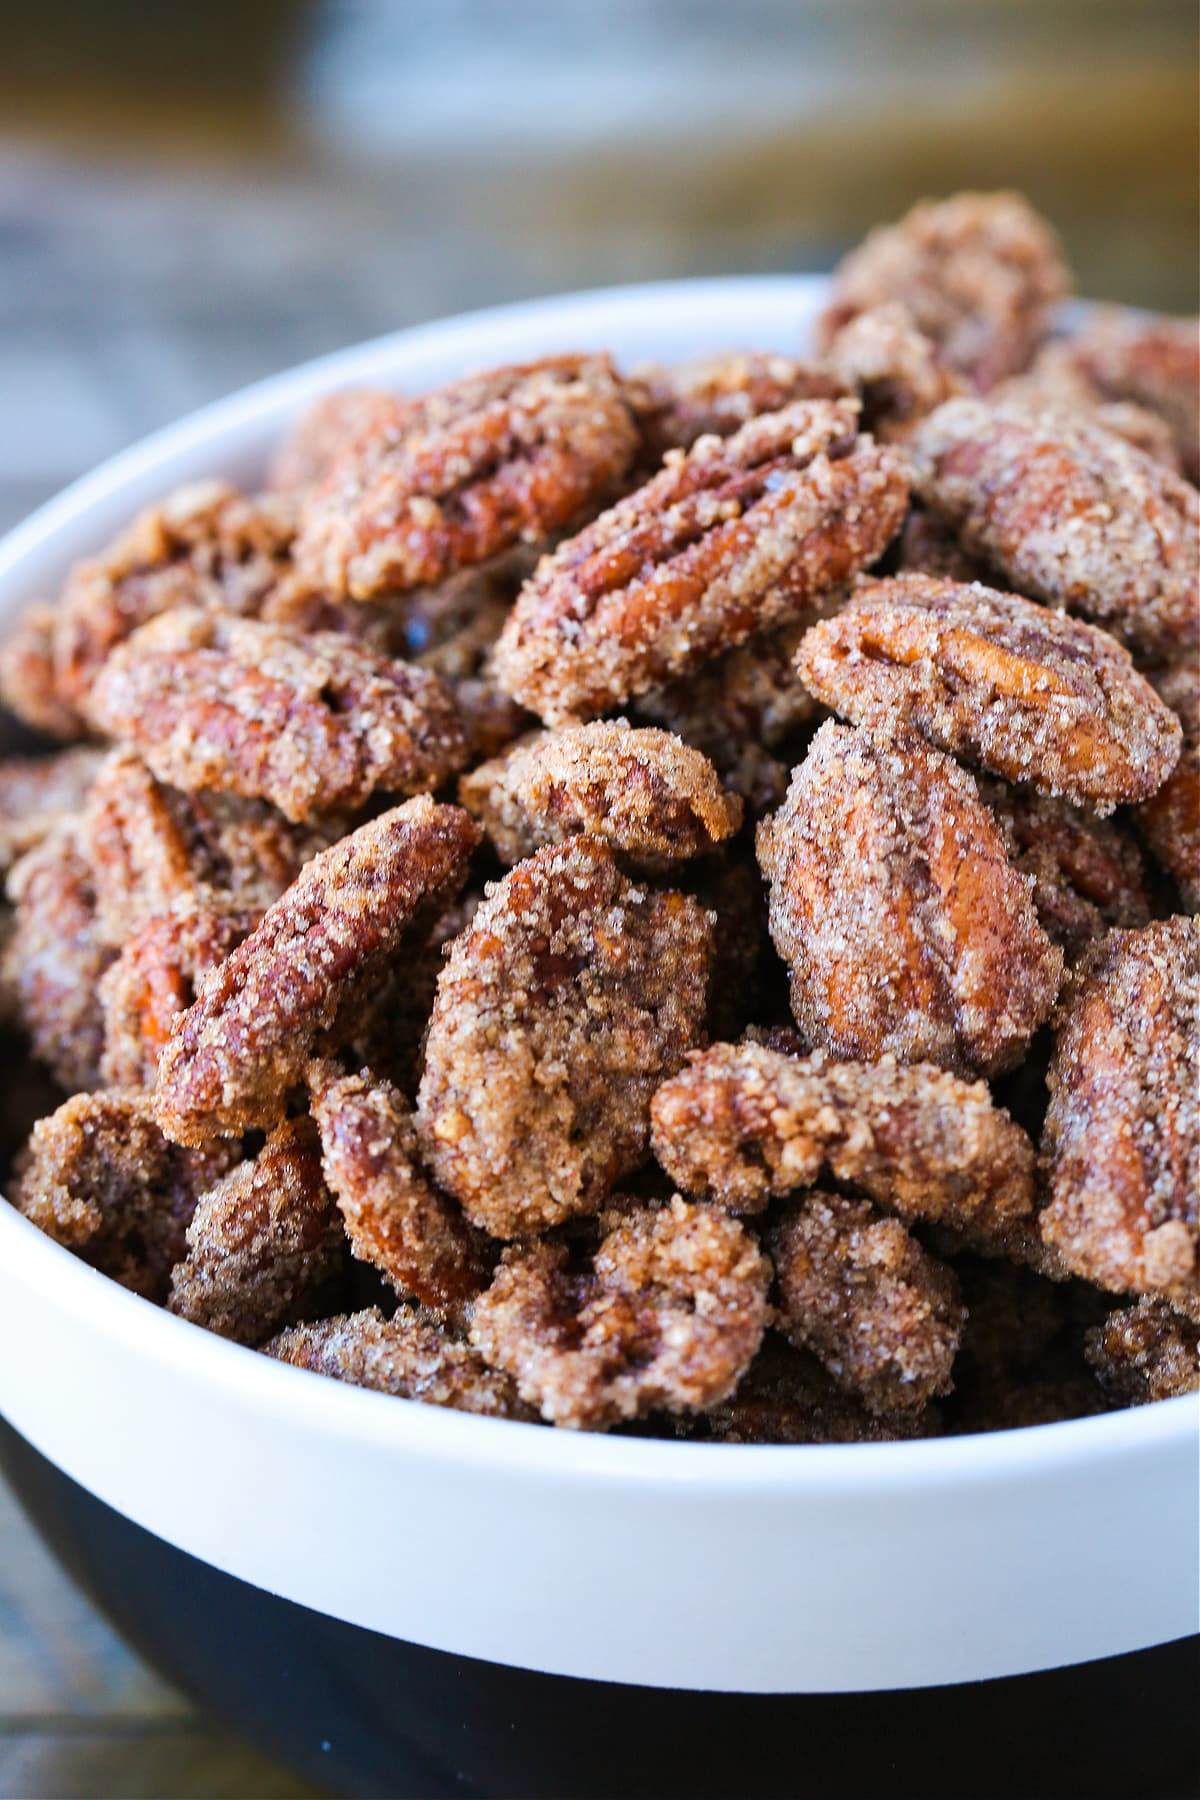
<point>730,539</point>
<point>998,680</point>
<point>1122,1133</point>
<point>978,273</point>
<point>454,478</point>
<point>406,1356</point>
<point>566,1001</point>
<point>235,1054</point>
<point>743,1124</point>
<point>788,1398</point>
<point>883,1316</point>
<point>1145,1352</point>
<point>714,396</point>
<point>893,369</point>
<point>28,681</point>
<point>55,957</point>
<point>1069,513</point>
<point>395,1217</point>
<point>668,1318</point>
<point>99,1177</point>
<point>37,793</point>
<point>154,980</point>
<point>1153,361</point>
<point>265,1245</point>
<point>326,429</point>
<point>652,797</point>
<point>1169,822</point>
<point>893,902</point>
<point>310,723</point>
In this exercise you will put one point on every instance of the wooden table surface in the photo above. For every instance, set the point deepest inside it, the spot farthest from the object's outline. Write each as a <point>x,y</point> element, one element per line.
<point>147,267</point>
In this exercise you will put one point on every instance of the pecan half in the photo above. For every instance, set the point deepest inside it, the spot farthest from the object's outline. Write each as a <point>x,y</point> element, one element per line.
<point>732,538</point>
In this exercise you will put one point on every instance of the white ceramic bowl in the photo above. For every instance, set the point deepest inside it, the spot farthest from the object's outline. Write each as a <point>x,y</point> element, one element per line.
<point>752,1570</point>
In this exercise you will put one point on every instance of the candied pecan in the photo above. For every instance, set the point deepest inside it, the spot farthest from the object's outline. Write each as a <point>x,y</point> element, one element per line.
<point>1122,1134</point>
<point>55,957</point>
<point>395,1217</point>
<point>1169,822</point>
<point>998,680</point>
<point>893,902</point>
<point>1153,361</point>
<point>265,1244</point>
<point>456,477</point>
<point>1069,513</point>
<point>154,980</point>
<point>745,710</point>
<point>235,1053</point>
<point>37,793</point>
<point>654,798</point>
<point>1056,381</point>
<point>892,367</point>
<point>744,1123</point>
<point>567,1000</point>
<point>1145,1352</point>
<point>734,537</point>
<point>154,849</point>
<point>669,1317</point>
<point>1087,872</point>
<point>309,723</point>
<point>929,547</point>
<point>881,1314</point>
<point>28,682</point>
<point>325,429</point>
<point>205,546</point>
<point>788,1398</point>
<point>714,396</point>
<point>978,273</point>
<point>99,1177</point>
<point>406,1356</point>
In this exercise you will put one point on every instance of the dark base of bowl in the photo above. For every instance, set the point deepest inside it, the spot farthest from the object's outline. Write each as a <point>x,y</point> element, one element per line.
<point>361,1714</point>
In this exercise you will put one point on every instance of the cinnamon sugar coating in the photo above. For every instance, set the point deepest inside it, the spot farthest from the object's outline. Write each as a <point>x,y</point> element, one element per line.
<point>788,1398</point>
<point>55,956</point>
<point>497,459</point>
<point>714,396</point>
<point>978,273</point>
<point>1153,361</point>
<point>998,680</point>
<point>881,1314</point>
<point>235,1054</point>
<point>650,795</point>
<point>1169,822</point>
<point>205,546</point>
<point>893,902</point>
<point>406,1356</point>
<point>154,980</point>
<point>154,849</point>
<point>38,793</point>
<point>1122,1134</point>
<point>668,1318</point>
<point>560,1009</point>
<point>892,367</point>
<point>743,1124</point>
<point>28,682</point>
<point>321,434</point>
<point>395,1217</point>
<point>265,1245</point>
<point>746,710</point>
<point>729,539</point>
<point>1070,514</point>
<point>310,723</point>
<point>1088,873</point>
<point>99,1178</point>
<point>1145,1352</point>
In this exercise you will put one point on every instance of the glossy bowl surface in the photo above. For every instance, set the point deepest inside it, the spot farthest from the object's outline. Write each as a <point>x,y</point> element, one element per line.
<point>746,1570</point>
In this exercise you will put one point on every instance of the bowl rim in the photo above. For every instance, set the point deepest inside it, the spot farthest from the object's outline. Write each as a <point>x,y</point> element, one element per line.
<point>414,1428</point>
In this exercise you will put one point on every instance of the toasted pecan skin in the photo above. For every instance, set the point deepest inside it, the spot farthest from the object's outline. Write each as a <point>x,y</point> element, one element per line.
<point>312,724</point>
<point>893,902</point>
<point>998,680</point>
<point>460,475</point>
<point>569,997</point>
<point>1070,514</point>
<point>730,539</point>
<point>1122,1135</point>
<point>233,1056</point>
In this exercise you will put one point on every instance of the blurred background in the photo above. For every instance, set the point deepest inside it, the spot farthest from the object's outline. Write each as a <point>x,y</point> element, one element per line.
<point>193,196</point>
